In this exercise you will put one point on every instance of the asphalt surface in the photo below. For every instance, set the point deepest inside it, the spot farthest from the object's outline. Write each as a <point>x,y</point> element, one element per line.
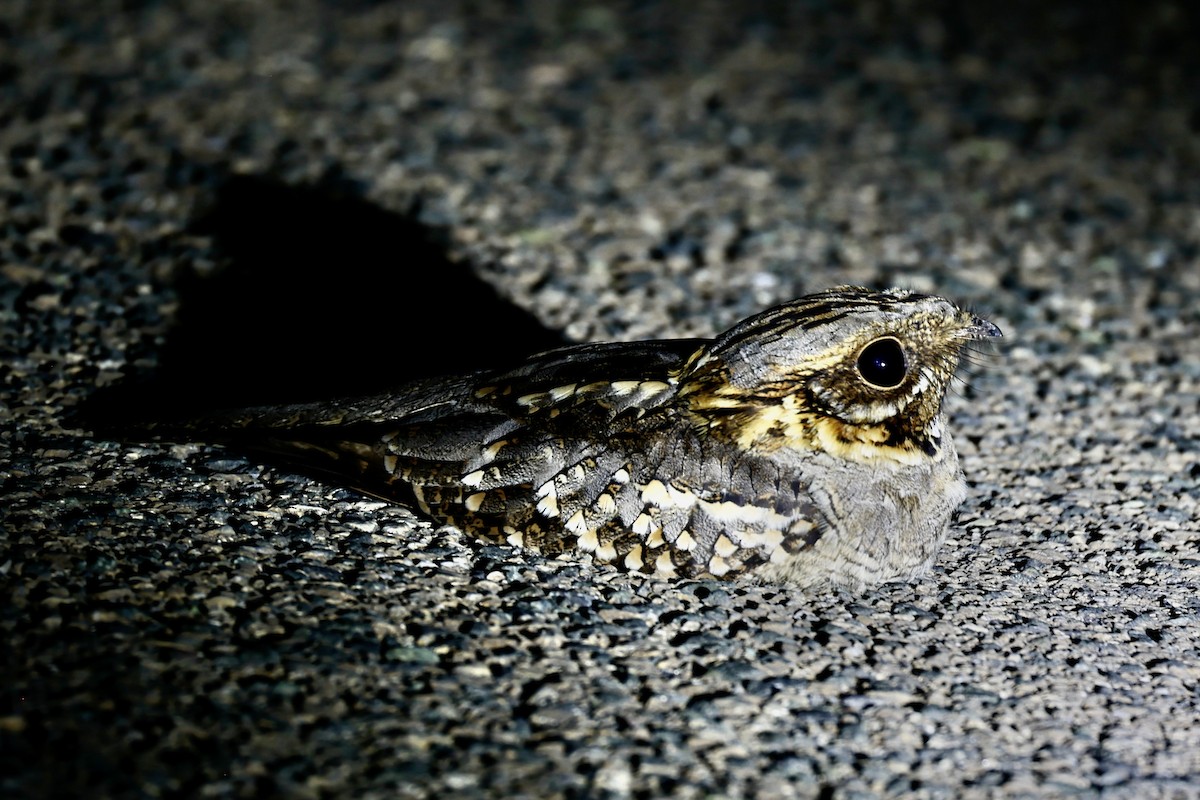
<point>214,203</point>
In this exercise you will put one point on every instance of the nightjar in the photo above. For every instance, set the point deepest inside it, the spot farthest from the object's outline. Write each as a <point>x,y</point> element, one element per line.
<point>806,444</point>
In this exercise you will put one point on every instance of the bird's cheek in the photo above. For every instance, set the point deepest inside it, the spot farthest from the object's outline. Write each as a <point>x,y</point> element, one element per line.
<point>864,408</point>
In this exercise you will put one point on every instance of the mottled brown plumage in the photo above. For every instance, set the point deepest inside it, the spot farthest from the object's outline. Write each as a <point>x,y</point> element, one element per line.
<point>806,444</point>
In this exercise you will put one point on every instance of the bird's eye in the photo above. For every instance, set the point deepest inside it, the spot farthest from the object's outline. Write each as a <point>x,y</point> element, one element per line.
<point>882,363</point>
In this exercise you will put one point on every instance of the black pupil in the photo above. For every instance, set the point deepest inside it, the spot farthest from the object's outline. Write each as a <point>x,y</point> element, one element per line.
<point>882,363</point>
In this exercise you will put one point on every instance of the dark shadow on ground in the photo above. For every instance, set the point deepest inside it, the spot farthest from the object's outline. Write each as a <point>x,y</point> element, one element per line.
<point>322,295</point>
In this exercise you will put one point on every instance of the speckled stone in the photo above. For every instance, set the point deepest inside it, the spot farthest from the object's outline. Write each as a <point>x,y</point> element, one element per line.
<point>188,189</point>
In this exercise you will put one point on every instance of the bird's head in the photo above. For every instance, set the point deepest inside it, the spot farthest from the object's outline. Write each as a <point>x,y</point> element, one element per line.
<point>855,372</point>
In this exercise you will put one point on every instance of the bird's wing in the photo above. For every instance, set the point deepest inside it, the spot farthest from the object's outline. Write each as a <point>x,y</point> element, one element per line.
<point>581,447</point>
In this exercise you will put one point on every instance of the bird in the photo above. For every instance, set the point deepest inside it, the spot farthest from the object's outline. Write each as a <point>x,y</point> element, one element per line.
<point>806,445</point>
